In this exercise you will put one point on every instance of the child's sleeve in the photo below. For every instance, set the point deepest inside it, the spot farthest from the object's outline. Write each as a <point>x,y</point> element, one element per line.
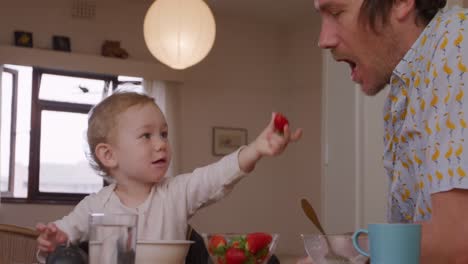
<point>75,224</point>
<point>208,184</point>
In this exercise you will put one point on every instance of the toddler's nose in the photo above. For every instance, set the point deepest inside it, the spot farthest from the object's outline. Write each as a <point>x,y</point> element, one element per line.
<point>160,144</point>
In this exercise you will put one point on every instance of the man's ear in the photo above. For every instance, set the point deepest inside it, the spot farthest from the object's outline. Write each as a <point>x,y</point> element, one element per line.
<point>404,9</point>
<point>105,155</point>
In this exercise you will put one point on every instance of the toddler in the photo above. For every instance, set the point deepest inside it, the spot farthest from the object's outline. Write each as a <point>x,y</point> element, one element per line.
<point>128,142</point>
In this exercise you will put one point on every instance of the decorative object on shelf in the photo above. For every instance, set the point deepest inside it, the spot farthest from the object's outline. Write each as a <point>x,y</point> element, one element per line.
<point>179,33</point>
<point>61,43</point>
<point>111,48</point>
<point>227,140</point>
<point>23,39</point>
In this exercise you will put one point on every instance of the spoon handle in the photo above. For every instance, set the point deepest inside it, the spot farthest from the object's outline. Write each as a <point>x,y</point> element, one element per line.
<point>310,213</point>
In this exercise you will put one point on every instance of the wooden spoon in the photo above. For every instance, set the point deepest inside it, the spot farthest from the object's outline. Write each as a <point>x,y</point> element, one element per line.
<point>310,213</point>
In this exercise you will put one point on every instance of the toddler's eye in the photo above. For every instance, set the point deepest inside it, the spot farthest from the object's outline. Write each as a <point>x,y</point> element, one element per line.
<point>146,135</point>
<point>164,135</point>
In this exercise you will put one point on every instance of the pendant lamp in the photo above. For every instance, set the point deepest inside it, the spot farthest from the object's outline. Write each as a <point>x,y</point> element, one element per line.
<point>179,33</point>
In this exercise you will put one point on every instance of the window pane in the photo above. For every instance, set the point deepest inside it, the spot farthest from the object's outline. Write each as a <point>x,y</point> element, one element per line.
<point>122,78</point>
<point>129,87</point>
<point>126,83</point>
<point>5,132</point>
<point>71,89</point>
<point>63,165</point>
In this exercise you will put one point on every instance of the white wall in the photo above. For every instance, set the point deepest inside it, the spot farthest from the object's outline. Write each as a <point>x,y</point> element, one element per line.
<point>354,181</point>
<point>455,2</point>
<point>252,70</point>
<point>340,147</point>
<point>115,20</point>
<point>371,180</point>
<point>305,81</point>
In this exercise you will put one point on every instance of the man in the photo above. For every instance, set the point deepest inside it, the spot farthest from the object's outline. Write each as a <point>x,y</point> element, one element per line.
<point>421,52</point>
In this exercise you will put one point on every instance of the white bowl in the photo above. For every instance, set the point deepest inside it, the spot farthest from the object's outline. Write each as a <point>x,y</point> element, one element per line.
<point>150,252</point>
<point>162,251</point>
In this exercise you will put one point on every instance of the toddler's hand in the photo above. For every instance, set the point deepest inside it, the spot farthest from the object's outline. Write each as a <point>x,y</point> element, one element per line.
<point>50,236</point>
<point>272,143</point>
<point>268,143</point>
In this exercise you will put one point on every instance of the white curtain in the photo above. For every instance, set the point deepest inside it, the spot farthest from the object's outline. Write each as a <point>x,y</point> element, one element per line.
<point>1,75</point>
<point>166,96</point>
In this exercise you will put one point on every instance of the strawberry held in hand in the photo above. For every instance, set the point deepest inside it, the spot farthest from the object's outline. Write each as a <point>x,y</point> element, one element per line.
<point>257,241</point>
<point>280,122</point>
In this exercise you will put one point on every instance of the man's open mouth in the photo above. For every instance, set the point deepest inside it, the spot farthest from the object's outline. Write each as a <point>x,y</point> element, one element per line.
<point>352,66</point>
<point>351,63</point>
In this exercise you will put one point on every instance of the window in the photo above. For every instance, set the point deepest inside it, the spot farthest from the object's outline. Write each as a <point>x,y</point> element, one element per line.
<point>46,111</point>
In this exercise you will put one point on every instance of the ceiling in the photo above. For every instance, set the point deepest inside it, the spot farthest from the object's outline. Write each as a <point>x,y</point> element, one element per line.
<point>282,12</point>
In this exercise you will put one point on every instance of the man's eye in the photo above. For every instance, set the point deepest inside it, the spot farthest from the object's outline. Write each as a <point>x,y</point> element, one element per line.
<point>336,13</point>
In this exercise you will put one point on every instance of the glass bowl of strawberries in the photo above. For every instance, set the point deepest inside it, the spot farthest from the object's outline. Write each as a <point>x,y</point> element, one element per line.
<point>234,248</point>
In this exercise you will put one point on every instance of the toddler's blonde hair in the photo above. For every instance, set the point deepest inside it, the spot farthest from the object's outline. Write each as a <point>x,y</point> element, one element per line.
<point>102,120</point>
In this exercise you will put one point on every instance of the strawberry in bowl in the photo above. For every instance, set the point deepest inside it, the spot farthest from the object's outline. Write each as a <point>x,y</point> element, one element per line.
<point>251,248</point>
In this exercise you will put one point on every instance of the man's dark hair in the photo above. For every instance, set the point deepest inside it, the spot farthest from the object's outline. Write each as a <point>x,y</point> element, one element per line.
<point>371,10</point>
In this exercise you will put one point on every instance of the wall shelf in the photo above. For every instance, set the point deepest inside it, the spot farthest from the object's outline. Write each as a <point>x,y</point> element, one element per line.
<point>87,63</point>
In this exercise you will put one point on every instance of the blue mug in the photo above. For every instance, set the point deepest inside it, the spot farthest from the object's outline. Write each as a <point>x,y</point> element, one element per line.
<point>391,243</point>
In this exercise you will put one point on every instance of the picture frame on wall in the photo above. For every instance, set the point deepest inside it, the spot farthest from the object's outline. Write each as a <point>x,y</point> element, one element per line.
<point>226,140</point>
<point>61,43</point>
<point>23,39</point>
